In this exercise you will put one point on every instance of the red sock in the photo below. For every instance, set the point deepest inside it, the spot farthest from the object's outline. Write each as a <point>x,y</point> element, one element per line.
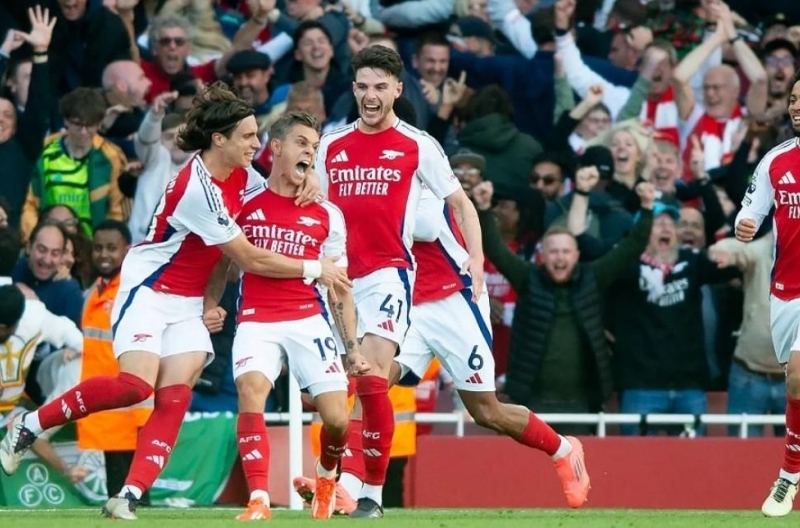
<point>539,435</point>
<point>791,457</point>
<point>93,395</point>
<point>331,448</point>
<point>157,437</point>
<point>353,457</point>
<point>378,419</point>
<point>253,440</point>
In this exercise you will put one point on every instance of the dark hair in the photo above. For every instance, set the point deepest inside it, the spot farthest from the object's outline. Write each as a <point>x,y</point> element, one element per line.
<point>115,225</point>
<point>12,305</point>
<point>84,105</point>
<point>379,58</point>
<point>307,26</point>
<point>405,111</point>
<point>10,248</point>
<point>489,100</point>
<point>430,39</point>
<point>48,223</point>
<point>543,26</point>
<point>217,110</point>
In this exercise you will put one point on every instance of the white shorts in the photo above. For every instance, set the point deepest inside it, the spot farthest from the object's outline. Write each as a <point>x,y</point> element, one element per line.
<point>459,333</point>
<point>784,323</point>
<point>383,302</point>
<point>307,344</point>
<point>161,323</point>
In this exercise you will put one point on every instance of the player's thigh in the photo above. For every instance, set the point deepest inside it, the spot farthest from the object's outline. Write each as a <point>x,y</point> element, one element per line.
<point>383,302</point>
<point>414,358</point>
<point>313,358</point>
<point>459,333</point>
<point>139,320</point>
<point>784,323</point>
<point>256,355</point>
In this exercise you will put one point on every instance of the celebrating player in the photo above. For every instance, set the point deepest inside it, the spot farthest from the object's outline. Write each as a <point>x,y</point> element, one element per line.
<point>159,337</point>
<point>287,317</point>
<point>450,326</point>
<point>373,171</point>
<point>774,184</point>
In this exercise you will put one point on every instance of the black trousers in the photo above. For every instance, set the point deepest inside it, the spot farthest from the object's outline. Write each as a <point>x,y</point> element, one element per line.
<point>118,464</point>
<point>393,488</point>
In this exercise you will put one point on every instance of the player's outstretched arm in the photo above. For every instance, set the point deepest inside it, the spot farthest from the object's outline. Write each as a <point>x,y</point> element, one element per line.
<point>471,228</point>
<point>344,316</point>
<point>251,259</point>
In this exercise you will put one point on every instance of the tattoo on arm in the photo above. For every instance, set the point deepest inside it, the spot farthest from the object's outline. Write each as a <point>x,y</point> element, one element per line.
<point>341,323</point>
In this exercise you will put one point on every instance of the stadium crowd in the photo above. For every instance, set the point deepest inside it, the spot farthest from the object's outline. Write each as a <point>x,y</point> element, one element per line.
<point>565,106</point>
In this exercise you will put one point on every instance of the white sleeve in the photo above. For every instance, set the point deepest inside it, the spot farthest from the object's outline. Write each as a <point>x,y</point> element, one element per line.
<point>202,212</point>
<point>581,77</point>
<point>513,24</point>
<point>760,195</point>
<point>434,168</point>
<point>277,47</point>
<point>319,167</point>
<point>61,332</point>
<point>335,244</point>
<point>428,217</point>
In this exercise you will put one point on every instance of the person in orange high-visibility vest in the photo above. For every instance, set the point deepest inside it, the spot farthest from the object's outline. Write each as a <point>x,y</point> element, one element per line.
<point>404,445</point>
<point>113,432</point>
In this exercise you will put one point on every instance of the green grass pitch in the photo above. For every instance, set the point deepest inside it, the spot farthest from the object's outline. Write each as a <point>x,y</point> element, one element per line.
<point>216,518</point>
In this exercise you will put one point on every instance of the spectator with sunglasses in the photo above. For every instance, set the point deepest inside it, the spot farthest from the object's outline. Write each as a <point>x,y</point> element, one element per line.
<point>549,174</point>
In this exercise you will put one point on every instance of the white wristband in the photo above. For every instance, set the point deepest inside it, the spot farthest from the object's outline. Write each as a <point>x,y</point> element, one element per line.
<point>312,269</point>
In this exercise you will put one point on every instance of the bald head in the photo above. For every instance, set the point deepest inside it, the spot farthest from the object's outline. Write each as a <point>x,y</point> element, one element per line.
<point>721,88</point>
<point>127,81</point>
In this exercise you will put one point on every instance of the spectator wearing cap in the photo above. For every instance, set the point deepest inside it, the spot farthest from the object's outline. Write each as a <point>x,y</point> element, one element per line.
<point>780,62</point>
<point>468,167</point>
<point>314,62</point>
<point>597,221</point>
<point>489,131</point>
<point>559,359</point>
<point>549,174</point>
<point>477,35</point>
<point>659,360</point>
<point>252,72</point>
<point>156,148</point>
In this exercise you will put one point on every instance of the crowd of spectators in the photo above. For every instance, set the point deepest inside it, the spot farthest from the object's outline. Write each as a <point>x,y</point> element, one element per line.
<point>564,106</point>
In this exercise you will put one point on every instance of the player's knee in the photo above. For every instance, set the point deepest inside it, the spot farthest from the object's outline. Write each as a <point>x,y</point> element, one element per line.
<point>337,424</point>
<point>135,388</point>
<point>253,392</point>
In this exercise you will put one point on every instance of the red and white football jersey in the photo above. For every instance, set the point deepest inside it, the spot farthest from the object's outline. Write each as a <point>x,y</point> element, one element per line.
<point>275,223</point>
<point>375,180</point>
<point>197,212</point>
<point>774,183</point>
<point>439,262</point>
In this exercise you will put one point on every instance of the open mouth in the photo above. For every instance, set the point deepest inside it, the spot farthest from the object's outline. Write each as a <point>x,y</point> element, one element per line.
<point>664,241</point>
<point>372,109</point>
<point>796,120</point>
<point>301,167</point>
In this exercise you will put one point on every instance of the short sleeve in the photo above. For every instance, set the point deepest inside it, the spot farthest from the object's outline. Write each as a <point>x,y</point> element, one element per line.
<point>319,166</point>
<point>434,168</point>
<point>335,244</point>
<point>429,216</point>
<point>202,211</point>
